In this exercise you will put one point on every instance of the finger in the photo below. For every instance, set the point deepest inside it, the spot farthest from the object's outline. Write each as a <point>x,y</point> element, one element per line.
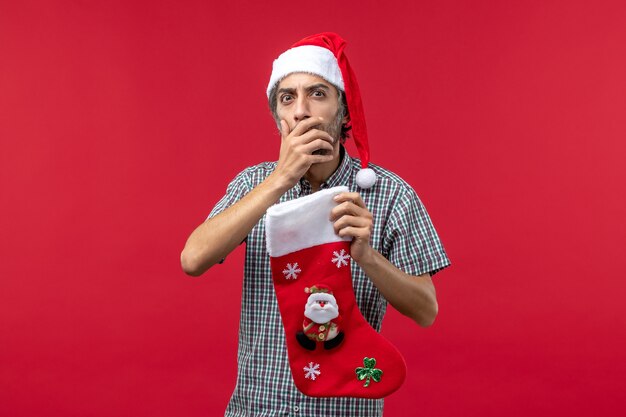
<point>284,129</point>
<point>307,124</point>
<point>353,197</point>
<point>317,144</point>
<point>317,134</point>
<point>353,221</point>
<point>317,159</point>
<point>355,233</point>
<point>348,208</point>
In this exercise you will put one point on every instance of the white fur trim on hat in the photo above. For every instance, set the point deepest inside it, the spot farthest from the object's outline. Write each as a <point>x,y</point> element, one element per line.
<point>307,58</point>
<point>302,223</point>
<point>322,296</point>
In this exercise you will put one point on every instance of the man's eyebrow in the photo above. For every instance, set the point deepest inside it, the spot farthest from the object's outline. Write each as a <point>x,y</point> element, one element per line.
<point>309,88</point>
<point>316,86</point>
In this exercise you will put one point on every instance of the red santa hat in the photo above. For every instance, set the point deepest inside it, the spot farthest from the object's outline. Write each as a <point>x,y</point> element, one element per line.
<point>322,55</point>
<point>319,288</point>
<point>320,292</point>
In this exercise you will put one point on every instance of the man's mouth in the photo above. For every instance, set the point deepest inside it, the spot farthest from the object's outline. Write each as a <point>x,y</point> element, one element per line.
<point>321,152</point>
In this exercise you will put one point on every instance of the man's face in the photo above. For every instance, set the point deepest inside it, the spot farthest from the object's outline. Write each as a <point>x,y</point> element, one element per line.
<point>301,95</point>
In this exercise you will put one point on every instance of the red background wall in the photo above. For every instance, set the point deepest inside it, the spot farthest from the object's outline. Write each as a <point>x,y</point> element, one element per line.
<point>122,122</point>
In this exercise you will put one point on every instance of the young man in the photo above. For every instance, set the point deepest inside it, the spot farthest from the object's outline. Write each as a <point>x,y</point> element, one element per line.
<point>394,246</point>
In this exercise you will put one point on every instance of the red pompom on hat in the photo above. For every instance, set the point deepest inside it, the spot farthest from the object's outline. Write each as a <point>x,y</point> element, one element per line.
<point>323,55</point>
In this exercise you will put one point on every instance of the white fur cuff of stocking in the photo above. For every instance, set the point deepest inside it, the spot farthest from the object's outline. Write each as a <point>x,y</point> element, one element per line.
<point>302,223</point>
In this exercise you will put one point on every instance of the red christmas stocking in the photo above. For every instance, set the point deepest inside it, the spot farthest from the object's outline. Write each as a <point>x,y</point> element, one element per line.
<point>333,351</point>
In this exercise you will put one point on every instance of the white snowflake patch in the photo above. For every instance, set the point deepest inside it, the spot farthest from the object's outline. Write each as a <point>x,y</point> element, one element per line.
<point>312,371</point>
<point>341,258</point>
<point>292,271</point>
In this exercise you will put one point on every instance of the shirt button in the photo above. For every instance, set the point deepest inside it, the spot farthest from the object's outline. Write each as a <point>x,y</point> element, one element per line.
<point>322,328</point>
<point>296,408</point>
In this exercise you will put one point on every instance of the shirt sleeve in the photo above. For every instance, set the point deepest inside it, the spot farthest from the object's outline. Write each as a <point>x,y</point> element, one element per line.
<point>238,187</point>
<point>410,241</point>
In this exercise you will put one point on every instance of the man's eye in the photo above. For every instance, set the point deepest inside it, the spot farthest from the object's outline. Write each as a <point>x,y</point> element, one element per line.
<point>318,93</point>
<point>285,99</point>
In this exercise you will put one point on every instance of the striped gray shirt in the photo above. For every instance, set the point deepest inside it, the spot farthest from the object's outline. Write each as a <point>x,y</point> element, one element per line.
<point>402,232</point>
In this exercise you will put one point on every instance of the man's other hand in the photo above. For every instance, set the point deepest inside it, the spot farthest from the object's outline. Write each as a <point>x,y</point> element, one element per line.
<point>352,218</point>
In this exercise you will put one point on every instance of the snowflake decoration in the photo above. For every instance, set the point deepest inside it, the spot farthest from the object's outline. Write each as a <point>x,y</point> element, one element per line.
<point>312,371</point>
<point>341,258</point>
<point>292,271</point>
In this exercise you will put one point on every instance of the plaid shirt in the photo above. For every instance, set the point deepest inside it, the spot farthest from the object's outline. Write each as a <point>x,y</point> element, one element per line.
<point>402,232</point>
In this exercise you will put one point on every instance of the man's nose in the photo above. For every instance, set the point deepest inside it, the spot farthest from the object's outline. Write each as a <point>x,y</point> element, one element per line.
<point>302,109</point>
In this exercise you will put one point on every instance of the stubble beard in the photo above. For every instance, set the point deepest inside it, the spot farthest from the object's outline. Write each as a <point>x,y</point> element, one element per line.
<point>333,129</point>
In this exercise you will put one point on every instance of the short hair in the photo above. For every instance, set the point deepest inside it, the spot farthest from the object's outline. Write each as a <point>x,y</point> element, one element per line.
<point>342,110</point>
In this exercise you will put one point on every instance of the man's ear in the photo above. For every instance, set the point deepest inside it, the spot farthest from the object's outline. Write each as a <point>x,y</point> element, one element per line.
<point>345,122</point>
<point>346,119</point>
